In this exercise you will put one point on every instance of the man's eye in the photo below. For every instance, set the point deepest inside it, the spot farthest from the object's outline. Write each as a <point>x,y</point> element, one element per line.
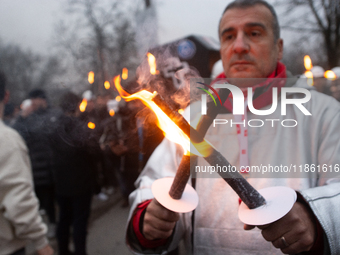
<point>228,37</point>
<point>255,33</point>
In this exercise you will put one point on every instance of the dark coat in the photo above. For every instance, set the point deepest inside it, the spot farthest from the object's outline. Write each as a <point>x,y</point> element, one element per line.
<point>74,150</point>
<point>36,129</point>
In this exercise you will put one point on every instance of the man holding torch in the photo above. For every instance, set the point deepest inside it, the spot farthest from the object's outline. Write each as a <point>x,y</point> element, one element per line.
<point>251,47</point>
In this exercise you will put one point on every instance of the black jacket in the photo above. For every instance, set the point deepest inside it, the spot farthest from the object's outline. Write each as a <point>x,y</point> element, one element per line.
<point>36,129</point>
<point>74,153</point>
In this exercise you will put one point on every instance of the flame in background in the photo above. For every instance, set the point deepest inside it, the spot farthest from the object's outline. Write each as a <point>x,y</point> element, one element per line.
<point>169,128</point>
<point>118,98</point>
<point>330,75</point>
<point>107,84</point>
<point>152,64</point>
<point>90,77</point>
<point>83,104</point>
<point>112,112</point>
<point>124,73</point>
<point>307,62</point>
<point>91,125</point>
<point>308,65</point>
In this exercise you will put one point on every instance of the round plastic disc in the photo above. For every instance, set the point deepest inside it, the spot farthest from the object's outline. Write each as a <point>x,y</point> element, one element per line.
<point>187,203</point>
<point>279,201</point>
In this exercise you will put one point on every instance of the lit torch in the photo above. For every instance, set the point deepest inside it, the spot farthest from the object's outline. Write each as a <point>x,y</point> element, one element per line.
<point>178,130</point>
<point>308,65</point>
<point>83,104</point>
<point>124,73</point>
<point>152,64</point>
<point>90,77</point>
<point>176,195</point>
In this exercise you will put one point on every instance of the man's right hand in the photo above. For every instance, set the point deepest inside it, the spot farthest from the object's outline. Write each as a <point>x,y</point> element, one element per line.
<point>159,222</point>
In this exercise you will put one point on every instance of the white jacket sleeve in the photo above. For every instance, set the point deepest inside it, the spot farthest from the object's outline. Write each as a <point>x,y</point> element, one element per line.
<point>19,206</point>
<point>162,163</point>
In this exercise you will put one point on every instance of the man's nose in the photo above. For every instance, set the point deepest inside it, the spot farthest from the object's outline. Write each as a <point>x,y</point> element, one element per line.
<point>240,44</point>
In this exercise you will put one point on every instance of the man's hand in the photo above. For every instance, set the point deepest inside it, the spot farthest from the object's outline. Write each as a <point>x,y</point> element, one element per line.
<point>293,233</point>
<point>159,222</point>
<point>47,250</point>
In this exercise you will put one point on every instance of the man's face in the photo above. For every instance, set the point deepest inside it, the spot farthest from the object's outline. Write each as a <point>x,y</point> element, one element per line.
<point>248,48</point>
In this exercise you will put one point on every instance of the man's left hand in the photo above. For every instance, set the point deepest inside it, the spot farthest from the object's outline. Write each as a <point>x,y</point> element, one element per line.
<point>293,233</point>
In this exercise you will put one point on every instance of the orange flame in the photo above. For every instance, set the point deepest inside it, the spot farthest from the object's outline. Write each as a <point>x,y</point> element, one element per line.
<point>91,125</point>
<point>307,62</point>
<point>83,104</point>
<point>118,98</point>
<point>152,64</point>
<point>330,75</point>
<point>112,112</point>
<point>107,84</point>
<point>124,73</point>
<point>169,128</point>
<point>90,77</point>
<point>309,76</point>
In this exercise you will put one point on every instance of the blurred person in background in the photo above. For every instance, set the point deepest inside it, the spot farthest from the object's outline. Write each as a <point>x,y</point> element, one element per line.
<point>10,114</point>
<point>121,137</point>
<point>335,84</point>
<point>319,81</point>
<point>20,221</point>
<point>34,123</point>
<point>74,151</point>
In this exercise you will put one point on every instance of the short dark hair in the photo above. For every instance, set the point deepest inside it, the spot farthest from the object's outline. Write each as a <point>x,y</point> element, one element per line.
<point>37,93</point>
<point>2,86</point>
<point>69,102</point>
<point>250,3</point>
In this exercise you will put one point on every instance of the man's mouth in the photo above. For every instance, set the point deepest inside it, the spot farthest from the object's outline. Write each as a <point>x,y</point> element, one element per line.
<point>241,63</point>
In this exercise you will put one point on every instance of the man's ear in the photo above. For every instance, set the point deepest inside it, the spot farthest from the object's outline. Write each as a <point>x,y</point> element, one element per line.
<point>279,45</point>
<point>6,97</point>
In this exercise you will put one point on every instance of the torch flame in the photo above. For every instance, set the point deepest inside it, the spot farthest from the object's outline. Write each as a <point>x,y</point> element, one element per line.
<point>83,104</point>
<point>107,84</point>
<point>309,76</point>
<point>152,64</point>
<point>330,75</point>
<point>91,77</point>
<point>124,73</point>
<point>91,125</point>
<point>169,128</point>
<point>307,62</point>
<point>112,112</point>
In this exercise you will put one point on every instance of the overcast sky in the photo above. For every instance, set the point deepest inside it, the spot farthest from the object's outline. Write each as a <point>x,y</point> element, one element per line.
<point>29,23</point>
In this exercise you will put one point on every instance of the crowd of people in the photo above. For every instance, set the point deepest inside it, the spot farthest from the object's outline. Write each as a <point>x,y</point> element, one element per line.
<point>72,161</point>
